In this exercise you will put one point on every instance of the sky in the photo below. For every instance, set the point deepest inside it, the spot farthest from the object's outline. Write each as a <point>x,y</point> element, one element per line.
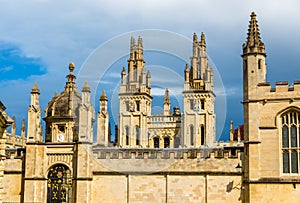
<point>38,39</point>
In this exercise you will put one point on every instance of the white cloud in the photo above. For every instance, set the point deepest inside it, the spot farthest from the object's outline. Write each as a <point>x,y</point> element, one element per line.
<point>6,68</point>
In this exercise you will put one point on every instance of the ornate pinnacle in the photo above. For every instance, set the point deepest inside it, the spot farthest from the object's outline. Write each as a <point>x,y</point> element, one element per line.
<point>123,71</point>
<point>167,97</point>
<point>253,37</point>
<point>70,84</point>
<point>140,42</point>
<point>35,89</point>
<point>186,67</point>
<point>86,87</point>
<point>202,42</point>
<point>195,38</point>
<point>71,67</point>
<point>103,96</point>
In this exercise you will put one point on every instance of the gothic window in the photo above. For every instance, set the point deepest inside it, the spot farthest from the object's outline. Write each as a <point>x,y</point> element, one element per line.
<point>156,142</point>
<point>192,104</point>
<point>202,135</point>
<point>166,142</point>
<point>59,184</point>
<point>202,104</point>
<point>127,135</point>
<point>290,142</point>
<point>135,73</point>
<point>127,105</point>
<point>259,64</point>
<point>198,72</point>
<point>137,135</point>
<point>191,135</point>
<point>137,105</point>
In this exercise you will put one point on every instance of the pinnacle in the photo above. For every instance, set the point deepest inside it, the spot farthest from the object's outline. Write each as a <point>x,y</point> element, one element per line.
<point>167,97</point>
<point>253,32</point>
<point>86,87</point>
<point>253,42</point>
<point>195,38</point>
<point>35,88</point>
<point>103,96</point>
<point>202,42</point>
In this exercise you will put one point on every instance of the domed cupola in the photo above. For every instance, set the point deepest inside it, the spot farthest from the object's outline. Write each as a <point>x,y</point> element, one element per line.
<point>62,112</point>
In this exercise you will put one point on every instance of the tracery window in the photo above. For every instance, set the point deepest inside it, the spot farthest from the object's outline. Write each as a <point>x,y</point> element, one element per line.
<point>290,141</point>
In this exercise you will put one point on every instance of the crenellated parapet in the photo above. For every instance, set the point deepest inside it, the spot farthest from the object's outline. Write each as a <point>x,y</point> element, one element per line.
<point>182,160</point>
<point>14,140</point>
<point>220,152</point>
<point>281,91</point>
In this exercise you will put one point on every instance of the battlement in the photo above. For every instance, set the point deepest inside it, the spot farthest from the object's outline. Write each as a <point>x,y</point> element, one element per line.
<point>282,90</point>
<point>14,140</point>
<point>217,152</point>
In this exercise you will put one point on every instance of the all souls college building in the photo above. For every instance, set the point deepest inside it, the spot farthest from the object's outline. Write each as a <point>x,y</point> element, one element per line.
<point>171,157</point>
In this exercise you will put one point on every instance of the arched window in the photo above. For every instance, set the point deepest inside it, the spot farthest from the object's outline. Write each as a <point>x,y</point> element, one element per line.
<point>191,135</point>
<point>59,184</point>
<point>137,135</point>
<point>289,141</point>
<point>202,135</point>
<point>156,142</point>
<point>166,142</point>
<point>127,135</point>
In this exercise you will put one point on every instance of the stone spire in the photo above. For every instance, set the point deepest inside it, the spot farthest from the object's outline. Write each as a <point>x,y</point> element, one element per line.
<point>70,84</point>
<point>202,42</point>
<point>253,43</point>
<point>86,87</point>
<point>167,103</point>
<point>167,97</point>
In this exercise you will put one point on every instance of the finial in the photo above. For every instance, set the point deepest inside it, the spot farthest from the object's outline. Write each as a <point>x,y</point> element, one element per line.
<point>35,89</point>
<point>55,94</point>
<point>23,124</point>
<point>148,74</point>
<point>14,123</point>
<point>70,84</point>
<point>195,38</point>
<point>123,71</point>
<point>86,87</point>
<point>103,96</point>
<point>140,42</point>
<point>202,42</point>
<point>71,67</point>
<point>186,67</point>
<point>167,97</point>
<point>132,42</point>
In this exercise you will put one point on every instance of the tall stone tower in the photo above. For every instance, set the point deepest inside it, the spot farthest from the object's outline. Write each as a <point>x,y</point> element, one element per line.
<point>62,112</point>
<point>103,122</point>
<point>135,99</point>
<point>34,116</point>
<point>254,73</point>
<point>198,96</point>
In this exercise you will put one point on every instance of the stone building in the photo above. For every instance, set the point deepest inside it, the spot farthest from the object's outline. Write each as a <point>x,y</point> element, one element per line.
<point>167,157</point>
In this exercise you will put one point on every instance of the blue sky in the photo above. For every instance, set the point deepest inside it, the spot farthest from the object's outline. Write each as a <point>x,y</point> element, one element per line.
<point>38,39</point>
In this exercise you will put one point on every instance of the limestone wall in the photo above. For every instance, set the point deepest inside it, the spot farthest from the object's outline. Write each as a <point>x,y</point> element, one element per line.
<point>166,188</point>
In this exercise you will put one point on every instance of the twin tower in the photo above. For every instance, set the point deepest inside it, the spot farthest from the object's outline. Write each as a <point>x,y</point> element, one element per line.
<point>193,127</point>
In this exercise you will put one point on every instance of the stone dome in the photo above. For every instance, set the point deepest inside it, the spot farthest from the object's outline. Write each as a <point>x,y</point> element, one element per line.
<point>65,105</point>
